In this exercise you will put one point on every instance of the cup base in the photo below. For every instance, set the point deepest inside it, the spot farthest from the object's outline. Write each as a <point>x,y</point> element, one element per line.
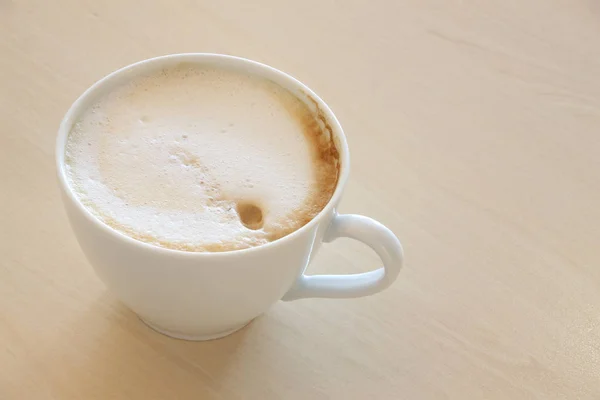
<point>194,338</point>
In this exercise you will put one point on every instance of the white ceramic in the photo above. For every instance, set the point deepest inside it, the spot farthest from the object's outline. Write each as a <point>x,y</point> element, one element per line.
<point>199,296</point>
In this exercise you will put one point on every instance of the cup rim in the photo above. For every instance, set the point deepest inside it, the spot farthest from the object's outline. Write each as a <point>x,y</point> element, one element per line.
<point>265,70</point>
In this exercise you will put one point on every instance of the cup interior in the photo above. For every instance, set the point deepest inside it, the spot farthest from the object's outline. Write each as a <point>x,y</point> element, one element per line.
<point>329,124</point>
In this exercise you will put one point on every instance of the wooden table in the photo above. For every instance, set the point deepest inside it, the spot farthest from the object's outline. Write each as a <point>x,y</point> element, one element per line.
<point>474,128</point>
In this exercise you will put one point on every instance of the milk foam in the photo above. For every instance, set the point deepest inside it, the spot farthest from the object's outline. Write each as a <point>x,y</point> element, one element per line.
<point>171,158</point>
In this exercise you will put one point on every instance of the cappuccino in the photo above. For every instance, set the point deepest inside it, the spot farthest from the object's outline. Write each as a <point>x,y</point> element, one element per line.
<point>197,158</point>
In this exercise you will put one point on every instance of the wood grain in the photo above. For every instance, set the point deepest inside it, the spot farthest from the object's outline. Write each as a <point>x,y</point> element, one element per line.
<point>474,132</point>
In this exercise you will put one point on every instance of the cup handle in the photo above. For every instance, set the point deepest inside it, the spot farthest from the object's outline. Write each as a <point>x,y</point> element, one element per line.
<point>373,234</point>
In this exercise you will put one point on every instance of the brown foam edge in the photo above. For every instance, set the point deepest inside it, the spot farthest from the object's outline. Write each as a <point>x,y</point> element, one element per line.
<point>326,155</point>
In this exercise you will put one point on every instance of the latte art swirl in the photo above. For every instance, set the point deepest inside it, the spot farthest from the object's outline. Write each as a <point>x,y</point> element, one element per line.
<point>196,158</point>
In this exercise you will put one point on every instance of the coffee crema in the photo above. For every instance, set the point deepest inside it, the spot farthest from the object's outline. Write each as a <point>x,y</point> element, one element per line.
<point>197,158</point>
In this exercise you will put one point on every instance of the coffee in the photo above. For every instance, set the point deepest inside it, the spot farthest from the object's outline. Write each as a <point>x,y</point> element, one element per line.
<point>198,158</point>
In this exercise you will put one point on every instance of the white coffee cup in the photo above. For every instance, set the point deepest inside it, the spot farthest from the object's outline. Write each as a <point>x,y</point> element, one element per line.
<point>200,296</point>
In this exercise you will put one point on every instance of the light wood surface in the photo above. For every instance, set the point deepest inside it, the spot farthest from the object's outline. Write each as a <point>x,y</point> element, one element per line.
<point>474,129</point>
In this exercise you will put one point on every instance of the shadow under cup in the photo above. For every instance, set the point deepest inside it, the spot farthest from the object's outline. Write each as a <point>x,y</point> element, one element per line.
<point>204,295</point>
